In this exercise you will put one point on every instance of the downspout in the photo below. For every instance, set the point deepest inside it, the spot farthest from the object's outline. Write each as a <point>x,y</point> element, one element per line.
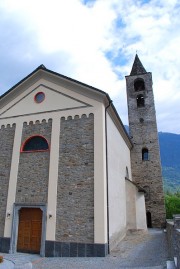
<point>107,182</point>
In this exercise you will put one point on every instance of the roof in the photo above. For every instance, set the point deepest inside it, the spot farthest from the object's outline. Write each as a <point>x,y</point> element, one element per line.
<point>137,68</point>
<point>140,189</point>
<point>42,67</point>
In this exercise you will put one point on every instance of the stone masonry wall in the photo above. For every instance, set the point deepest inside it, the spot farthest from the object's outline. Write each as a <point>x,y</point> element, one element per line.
<point>6,147</point>
<point>173,239</point>
<point>143,132</point>
<point>75,196</point>
<point>170,238</point>
<point>33,172</point>
<point>177,236</point>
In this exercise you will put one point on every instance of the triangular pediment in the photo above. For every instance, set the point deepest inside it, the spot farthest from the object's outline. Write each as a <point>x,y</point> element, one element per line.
<point>55,99</point>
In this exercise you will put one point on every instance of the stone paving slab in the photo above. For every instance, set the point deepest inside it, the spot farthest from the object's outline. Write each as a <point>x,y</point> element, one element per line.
<point>138,250</point>
<point>7,265</point>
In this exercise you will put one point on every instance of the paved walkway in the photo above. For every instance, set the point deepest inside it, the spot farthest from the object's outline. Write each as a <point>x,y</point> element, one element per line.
<point>138,251</point>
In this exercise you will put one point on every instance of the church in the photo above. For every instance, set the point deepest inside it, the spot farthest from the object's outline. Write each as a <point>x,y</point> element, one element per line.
<point>72,181</point>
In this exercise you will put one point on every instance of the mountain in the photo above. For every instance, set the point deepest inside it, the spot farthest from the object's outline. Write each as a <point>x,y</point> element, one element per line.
<point>170,160</point>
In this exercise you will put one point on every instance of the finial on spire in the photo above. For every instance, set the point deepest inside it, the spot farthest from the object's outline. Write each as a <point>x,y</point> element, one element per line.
<point>137,67</point>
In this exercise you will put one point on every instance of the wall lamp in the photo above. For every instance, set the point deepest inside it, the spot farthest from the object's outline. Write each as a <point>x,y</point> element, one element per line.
<point>50,215</point>
<point>8,215</point>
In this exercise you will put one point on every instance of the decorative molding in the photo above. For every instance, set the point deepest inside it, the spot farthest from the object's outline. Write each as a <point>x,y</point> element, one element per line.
<point>25,123</point>
<point>87,115</point>
<point>7,126</point>
<point>83,103</point>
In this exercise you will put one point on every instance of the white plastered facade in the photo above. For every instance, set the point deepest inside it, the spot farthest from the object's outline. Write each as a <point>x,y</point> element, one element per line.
<point>68,102</point>
<point>126,204</point>
<point>118,154</point>
<point>135,207</point>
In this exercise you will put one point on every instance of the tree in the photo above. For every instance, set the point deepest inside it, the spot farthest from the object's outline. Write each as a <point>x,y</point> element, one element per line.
<point>172,203</point>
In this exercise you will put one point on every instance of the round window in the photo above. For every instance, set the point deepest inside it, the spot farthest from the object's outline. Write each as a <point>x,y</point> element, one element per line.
<point>39,97</point>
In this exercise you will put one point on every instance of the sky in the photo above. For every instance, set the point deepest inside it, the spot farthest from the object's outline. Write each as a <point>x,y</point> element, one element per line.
<point>95,42</point>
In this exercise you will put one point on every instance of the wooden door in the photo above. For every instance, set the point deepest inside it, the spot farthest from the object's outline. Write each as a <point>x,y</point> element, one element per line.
<point>29,230</point>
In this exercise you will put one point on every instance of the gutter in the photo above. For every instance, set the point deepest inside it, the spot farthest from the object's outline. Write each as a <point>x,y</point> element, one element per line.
<point>107,179</point>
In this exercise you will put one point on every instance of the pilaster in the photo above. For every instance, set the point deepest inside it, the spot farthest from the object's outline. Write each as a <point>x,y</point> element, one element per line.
<point>53,180</point>
<point>13,179</point>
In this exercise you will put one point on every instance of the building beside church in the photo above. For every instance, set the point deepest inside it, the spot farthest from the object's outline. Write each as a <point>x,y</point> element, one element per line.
<point>68,175</point>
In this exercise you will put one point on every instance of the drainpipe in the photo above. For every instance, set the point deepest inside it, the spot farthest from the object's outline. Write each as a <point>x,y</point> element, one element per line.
<point>110,102</point>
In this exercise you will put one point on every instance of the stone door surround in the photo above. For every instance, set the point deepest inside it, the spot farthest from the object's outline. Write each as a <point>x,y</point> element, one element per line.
<point>15,224</point>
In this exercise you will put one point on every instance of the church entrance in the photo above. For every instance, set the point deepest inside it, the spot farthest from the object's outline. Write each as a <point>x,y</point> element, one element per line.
<point>149,219</point>
<point>29,230</point>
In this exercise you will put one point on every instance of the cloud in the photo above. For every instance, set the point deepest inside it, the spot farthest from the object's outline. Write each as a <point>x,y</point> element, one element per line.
<point>95,42</point>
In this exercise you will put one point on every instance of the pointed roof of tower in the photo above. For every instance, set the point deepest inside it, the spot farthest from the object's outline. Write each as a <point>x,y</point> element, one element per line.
<point>137,67</point>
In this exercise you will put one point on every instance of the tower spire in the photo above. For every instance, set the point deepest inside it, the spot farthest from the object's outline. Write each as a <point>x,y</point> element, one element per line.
<point>137,68</point>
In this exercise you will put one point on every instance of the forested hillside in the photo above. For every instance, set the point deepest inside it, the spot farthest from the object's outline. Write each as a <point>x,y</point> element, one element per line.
<point>170,159</point>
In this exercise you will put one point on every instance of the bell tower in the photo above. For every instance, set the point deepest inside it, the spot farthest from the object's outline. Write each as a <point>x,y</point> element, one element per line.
<point>145,154</point>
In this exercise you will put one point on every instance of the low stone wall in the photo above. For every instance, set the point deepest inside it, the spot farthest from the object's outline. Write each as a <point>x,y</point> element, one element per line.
<point>170,238</point>
<point>177,245</point>
<point>173,237</point>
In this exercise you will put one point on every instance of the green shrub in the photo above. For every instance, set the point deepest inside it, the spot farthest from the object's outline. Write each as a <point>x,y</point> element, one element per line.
<point>172,203</point>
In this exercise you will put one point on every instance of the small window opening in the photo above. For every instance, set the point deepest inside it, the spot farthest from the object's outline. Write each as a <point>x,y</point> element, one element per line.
<point>140,100</point>
<point>145,154</point>
<point>139,85</point>
<point>35,143</point>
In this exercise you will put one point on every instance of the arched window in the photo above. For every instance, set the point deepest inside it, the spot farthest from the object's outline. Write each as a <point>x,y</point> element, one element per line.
<point>35,143</point>
<point>145,154</point>
<point>140,100</point>
<point>139,85</point>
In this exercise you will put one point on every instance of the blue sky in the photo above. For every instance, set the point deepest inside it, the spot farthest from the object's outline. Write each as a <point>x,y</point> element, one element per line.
<point>95,42</point>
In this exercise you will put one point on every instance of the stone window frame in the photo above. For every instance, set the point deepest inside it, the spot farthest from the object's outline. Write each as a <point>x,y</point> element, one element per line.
<point>15,225</point>
<point>37,150</point>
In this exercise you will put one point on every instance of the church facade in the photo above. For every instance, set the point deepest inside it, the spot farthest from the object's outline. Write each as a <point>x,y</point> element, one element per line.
<point>65,170</point>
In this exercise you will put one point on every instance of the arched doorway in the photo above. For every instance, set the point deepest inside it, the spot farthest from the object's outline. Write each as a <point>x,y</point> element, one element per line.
<point>149,219</point>
<point>29,230</point>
